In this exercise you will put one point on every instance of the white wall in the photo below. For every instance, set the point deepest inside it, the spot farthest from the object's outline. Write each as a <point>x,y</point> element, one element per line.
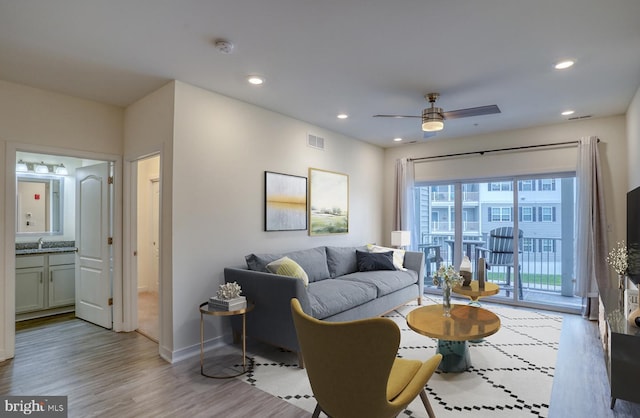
<point>148,129</point>
<point>613,151</point>
<point>222,147</point>
<point>633,141</point>
<point>42,121</point>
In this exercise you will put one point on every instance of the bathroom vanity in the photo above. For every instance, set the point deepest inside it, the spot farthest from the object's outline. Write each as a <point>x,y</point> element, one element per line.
<point>45,281</point>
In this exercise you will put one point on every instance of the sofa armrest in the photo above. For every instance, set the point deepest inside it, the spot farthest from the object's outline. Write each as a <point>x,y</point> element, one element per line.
<point>414,260</point>
<point>271,320</point>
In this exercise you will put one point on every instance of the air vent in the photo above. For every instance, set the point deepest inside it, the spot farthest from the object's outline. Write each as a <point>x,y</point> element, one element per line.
<point>315,141</point>
<point>580,117</point>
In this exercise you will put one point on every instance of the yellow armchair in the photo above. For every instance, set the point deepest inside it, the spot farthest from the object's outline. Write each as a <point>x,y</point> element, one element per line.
<point>353,368</point>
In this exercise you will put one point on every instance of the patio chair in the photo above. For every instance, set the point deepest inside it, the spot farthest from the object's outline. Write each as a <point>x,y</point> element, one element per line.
<point>499,252</point>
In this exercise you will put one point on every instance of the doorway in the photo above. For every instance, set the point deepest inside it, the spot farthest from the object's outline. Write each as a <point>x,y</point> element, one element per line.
<point>60,228</point>
<point>148,247</point>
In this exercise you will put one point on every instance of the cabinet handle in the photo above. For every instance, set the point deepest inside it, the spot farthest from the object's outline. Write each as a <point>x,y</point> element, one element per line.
<point>51,276</point>
<point>40,277</point>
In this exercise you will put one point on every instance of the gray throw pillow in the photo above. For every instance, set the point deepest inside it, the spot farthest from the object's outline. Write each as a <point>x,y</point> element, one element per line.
<point>342,260</point>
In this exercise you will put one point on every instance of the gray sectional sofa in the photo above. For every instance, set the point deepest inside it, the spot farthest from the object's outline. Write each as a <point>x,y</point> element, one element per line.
<point>337,290</point>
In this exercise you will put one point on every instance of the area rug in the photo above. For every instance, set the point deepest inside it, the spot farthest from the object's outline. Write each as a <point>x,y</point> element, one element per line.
<point>511,373</point>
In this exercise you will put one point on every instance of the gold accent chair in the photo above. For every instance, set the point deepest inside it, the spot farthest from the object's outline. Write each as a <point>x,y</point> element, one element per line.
<point>353,368</point>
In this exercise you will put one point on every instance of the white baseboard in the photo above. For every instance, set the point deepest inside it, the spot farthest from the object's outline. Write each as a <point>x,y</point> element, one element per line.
<point>194,350</point>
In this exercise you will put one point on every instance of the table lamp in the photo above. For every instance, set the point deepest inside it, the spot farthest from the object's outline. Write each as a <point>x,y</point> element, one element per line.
<point>400,239</point>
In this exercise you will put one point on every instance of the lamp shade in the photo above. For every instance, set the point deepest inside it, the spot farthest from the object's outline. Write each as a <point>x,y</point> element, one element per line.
<point>400,238</point>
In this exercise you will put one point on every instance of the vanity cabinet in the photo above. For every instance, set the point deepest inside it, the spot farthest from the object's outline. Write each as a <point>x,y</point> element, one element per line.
<point>44,284</point>
<point>62,280</point>
<point>29,283</point>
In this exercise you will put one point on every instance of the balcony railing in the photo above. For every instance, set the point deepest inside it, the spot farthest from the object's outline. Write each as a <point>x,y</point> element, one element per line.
<point>448,227</point>
<point>540,270</point>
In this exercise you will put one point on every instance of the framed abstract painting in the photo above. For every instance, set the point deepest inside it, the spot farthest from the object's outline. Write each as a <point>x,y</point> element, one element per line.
<point>285,206</point>
<point>329,202</point>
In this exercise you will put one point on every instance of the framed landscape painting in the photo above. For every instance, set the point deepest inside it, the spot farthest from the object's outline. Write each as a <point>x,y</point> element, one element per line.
<point>329,202</point>
<point>285,202</point>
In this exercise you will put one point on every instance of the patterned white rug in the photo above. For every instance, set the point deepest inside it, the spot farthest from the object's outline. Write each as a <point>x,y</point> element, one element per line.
<point>511,374</point>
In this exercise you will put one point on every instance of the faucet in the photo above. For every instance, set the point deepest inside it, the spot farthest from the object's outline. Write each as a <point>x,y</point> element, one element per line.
<point>40,241</point>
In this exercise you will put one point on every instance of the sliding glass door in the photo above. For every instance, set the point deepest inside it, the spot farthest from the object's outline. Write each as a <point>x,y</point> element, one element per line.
<point>522,226</point>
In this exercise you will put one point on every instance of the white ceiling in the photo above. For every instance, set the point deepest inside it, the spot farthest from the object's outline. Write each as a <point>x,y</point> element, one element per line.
<point>323,57</point>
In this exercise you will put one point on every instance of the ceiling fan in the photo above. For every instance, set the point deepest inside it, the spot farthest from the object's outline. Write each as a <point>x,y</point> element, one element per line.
<point>433,117</point>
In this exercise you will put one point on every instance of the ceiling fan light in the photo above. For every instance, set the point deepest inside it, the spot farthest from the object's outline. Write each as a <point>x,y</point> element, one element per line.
<point>432,119</point>
<point>432,125</point>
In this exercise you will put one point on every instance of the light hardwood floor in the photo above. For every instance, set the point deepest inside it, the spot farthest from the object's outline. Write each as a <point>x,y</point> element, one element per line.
<point>107,374</point>
<point>149,315</point>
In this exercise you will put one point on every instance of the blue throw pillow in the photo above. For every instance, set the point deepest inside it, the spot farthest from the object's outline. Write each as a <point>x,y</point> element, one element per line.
<point>374,261</point>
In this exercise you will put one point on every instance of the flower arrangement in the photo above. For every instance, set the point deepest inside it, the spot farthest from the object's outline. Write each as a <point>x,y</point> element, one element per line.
<point>447,276</point>
<point>618,258</point>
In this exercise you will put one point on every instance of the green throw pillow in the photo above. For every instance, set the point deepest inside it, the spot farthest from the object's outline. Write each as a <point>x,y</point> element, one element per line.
<point>287,267</point>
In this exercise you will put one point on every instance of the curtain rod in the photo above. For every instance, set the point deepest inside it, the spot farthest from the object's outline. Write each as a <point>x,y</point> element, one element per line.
<point>459,154</point>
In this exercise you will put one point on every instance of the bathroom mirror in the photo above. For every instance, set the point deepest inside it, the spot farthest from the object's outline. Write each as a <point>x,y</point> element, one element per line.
<point>39,205</point>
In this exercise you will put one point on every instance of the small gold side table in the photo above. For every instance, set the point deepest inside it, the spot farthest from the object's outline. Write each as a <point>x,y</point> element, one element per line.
<point>206,310</point>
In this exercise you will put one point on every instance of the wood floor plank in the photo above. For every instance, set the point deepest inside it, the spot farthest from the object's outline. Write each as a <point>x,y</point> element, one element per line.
<point>107,374</point>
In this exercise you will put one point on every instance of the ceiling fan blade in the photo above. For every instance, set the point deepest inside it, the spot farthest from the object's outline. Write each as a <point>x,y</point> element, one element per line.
<point>396,116</point>
<point>472,111</point>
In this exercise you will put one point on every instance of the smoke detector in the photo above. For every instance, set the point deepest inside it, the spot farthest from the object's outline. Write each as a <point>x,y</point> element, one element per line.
<point>223,46</point>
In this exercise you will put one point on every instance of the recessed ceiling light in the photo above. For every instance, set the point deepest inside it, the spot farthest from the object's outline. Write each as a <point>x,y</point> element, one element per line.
<point>563,65</point>
<point>397,139</point>
<point>255,80</point>
<point>343,116</point>
<point>568,112</point>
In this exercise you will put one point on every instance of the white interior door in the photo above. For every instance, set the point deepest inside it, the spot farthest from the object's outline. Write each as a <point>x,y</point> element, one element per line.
<point>93,272</point>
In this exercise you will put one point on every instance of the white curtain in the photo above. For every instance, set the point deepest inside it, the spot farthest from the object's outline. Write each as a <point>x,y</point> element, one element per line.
<point>591,245</point>
<point>404,200</point>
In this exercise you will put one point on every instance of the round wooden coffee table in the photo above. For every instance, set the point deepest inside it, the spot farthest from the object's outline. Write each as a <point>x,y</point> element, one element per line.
<point>467,322</point>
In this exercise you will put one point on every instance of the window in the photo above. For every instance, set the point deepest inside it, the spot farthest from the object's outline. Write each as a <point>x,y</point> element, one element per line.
<point>500,214</point>
<point>546,245</point>
<point>547,184</point>
<point>435,218</point>
<point>526,185</point>
<point>545,254</point>
<point>527,245</point>
<point>501,186</point>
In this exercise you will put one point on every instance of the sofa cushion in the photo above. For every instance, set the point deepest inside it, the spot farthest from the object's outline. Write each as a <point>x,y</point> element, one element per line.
<point>398,255</point>
<point>287,267</point>
<point>342,260</point>
<point>374,261</point>
<point>312,260</point>
<point>385,281</point>
<point>329,297</point>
